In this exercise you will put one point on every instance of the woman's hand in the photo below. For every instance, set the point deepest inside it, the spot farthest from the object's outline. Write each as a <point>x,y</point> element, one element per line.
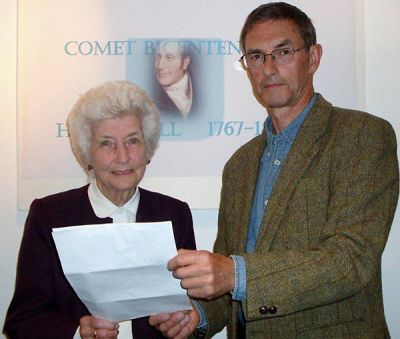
<point>92,327</point>
<point>177,325</point>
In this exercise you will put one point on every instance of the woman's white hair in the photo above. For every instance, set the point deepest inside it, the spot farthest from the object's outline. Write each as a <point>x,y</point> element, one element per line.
<point>107,101</point>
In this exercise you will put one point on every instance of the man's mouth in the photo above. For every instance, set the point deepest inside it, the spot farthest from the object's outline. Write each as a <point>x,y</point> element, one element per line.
<point>162,74</point>
<point>271,86</point>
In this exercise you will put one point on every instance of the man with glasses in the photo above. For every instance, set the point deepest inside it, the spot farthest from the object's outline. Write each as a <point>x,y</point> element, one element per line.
<point>305,209</point>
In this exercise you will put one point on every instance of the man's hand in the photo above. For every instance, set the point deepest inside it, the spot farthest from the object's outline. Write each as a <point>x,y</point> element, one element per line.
<point>177,325</point>
<point>92,327</point>
<point>204,274</point>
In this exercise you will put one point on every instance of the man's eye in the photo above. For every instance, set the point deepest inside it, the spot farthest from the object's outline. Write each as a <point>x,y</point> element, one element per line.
<point>284,51</point>
<point>255,57</point>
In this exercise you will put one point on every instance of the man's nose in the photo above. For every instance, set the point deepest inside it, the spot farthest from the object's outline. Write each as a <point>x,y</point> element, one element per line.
<point>269,66</point>
<point>160,63</point>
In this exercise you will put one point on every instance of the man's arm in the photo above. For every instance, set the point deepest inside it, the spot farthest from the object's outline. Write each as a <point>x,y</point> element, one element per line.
<point>204,274</point>
<point>338,252</point>
<point>329,245</point>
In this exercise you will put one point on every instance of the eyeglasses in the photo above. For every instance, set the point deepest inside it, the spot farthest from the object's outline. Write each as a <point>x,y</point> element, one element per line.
<point>281,56</point>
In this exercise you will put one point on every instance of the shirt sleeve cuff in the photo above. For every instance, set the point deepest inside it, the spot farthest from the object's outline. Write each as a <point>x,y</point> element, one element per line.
<point>239,291</point>
<point>203,325</point>
<point>77,334</point>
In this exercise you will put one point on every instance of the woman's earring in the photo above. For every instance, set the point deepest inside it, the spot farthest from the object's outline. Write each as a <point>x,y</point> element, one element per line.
<point>148,161</point>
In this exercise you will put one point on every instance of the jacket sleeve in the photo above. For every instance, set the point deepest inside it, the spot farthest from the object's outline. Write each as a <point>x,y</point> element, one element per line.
<point>219,311</point>
<point>33,312</point>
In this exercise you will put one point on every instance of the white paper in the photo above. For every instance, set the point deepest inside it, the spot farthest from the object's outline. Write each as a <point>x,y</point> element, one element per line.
<point>119,271</point>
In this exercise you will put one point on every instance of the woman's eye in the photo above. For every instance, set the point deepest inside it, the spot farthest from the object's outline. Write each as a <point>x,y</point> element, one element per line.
<point>105,143</point>
<point>132,141</point>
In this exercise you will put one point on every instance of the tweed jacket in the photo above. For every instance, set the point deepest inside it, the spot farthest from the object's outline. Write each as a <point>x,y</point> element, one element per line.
<point>316,269</point>
<point>44,304</point>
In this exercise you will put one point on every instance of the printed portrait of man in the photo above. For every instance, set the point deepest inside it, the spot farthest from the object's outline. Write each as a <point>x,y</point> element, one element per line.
<point>185,79</point>
<point>176,94</point>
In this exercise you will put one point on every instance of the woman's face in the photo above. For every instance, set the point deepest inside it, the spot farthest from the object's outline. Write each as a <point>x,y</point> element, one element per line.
<point>118,156</point>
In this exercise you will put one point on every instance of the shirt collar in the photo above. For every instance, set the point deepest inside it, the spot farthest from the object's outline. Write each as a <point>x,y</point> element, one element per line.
<point>181,94</point>
<point>104,208</point>
<point>290,132</point>
<point>181,85</point>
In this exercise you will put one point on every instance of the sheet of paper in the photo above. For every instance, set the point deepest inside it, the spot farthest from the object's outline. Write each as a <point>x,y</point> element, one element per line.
<point>119,271</point>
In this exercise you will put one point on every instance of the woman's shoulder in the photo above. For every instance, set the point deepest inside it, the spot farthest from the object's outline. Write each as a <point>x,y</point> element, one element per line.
<point>72,197</point>
<point>159,198</point>
<point>58,210</point>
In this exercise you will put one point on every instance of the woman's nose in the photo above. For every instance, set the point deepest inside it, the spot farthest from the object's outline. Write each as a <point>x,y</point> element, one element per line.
<point>122,154</point>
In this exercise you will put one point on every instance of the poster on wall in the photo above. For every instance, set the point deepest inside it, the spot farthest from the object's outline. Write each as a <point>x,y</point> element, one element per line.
<point>67,47</point>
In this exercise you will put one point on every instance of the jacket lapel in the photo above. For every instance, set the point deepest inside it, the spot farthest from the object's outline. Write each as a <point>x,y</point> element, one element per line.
<point>144,210</point>
<point>247,182</point>
<point>304,148</point>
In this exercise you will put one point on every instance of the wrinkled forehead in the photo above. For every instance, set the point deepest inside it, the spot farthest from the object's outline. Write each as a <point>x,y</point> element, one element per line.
<point>272,34</point>
<point>173,47</point>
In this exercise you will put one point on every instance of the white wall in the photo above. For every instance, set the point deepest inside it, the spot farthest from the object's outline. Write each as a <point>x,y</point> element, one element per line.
<point>10,233</point>
<point>382,97</point>
<point>382,89</point>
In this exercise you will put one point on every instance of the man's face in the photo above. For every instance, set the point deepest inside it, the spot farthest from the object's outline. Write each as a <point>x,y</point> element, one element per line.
<point>281,87</point>
<point>170,65</point>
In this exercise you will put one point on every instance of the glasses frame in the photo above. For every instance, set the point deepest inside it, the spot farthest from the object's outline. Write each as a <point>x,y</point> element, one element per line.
<point>264,55</point>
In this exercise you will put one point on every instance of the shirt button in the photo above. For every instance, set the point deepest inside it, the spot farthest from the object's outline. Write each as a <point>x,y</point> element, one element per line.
<point>277,162</point>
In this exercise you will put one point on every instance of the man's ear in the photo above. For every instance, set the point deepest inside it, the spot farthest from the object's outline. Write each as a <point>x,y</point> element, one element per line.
<point>315,57</point>
<point>185,62</point>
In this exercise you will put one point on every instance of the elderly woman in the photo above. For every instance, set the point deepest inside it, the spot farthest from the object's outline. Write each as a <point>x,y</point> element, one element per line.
<point>114,131</point>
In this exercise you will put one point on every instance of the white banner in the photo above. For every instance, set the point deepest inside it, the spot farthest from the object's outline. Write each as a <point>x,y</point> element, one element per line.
<point>67,47</point>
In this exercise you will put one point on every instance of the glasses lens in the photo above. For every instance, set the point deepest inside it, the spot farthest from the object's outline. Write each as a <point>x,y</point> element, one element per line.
<point>283,55</point>
<point>254,60</point>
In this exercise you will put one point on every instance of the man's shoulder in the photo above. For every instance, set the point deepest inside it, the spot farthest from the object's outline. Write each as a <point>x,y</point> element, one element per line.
<point>348,115</point>
<point>354,124</point>
<point>246,152</point>
<point>342,122</point>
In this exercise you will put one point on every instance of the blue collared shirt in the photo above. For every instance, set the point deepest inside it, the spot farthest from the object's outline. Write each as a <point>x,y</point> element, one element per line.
<point>275,152</point>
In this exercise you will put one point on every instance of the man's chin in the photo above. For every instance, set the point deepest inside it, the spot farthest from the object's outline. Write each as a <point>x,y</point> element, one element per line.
<point>164,83</point>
